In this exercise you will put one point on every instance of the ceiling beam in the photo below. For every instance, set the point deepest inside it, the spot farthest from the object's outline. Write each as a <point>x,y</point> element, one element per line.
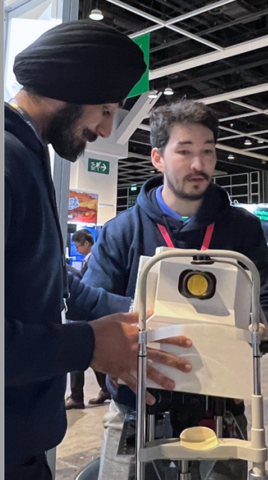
<point>130,123</point>
<point>249,107</point>
<point>236,93</point>
<point>194,62</point>
<point>241,115</point>
<point>242,152</point>
<point>256,148</point>
<point>244,134</point>
<point>180,18</point>
<point>163,23</point>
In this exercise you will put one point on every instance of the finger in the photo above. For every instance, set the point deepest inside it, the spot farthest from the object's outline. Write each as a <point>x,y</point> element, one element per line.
<point>169,359</point>
<point>261,327</point>
<point>160,378</point>
<point>149,313</point>
<point>131,382</point>
<point>180,341</point>
<point>131,317</point>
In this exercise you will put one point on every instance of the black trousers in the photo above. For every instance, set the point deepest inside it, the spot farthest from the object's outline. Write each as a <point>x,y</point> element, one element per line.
<point>78,381</point>
<point>35,468</point>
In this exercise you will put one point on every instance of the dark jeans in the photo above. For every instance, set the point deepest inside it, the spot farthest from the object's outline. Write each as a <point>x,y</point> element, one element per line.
<point>78,381</point>
<point>35,468</point>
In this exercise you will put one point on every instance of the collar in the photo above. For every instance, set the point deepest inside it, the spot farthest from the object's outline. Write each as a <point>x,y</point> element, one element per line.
<point>25,115</point>
<point>87,257</point>
<point>166,209</point>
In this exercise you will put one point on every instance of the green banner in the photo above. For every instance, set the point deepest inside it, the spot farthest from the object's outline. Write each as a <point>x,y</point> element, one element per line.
<point>143,84</point>
<point>98,166</point>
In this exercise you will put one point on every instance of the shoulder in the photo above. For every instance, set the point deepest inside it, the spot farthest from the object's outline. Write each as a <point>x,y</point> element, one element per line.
<point>123,221</point>
<point>242,215</point>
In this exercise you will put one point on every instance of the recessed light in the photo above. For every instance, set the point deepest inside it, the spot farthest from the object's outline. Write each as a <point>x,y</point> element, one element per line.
<point>247,142</point>
<point>260,141</point>
<point>231,156</point>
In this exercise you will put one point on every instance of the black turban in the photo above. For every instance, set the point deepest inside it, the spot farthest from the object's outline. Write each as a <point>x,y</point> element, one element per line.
<point>82,62</point>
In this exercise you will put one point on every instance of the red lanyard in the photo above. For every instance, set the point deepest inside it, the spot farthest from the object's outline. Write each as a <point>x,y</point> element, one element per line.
<point>206,241</point>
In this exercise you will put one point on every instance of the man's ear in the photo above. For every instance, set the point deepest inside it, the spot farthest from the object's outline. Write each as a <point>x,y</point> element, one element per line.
<point>157,159</point>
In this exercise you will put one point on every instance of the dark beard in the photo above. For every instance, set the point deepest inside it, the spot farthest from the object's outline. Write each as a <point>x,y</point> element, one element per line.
<point>192,197</point>
<point>61,133</point>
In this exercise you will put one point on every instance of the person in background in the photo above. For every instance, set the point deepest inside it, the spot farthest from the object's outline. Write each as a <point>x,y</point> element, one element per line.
<point>83,240</point>
<point>74,79</point>
<point>181,208</point>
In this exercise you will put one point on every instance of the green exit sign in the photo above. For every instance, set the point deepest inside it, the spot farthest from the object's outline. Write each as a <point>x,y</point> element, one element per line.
<point>98,166</point>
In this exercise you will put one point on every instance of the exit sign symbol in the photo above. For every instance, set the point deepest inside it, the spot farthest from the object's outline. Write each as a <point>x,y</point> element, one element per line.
<point>98,166</point>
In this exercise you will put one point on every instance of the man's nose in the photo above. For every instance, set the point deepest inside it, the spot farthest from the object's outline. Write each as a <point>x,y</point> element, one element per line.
<point>197,162</point>
<point>104,129</point>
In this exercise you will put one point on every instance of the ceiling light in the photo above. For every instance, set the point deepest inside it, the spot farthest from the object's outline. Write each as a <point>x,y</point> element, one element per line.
<point>231,156</point>
<point>247,142</point>
<point>231,125</point>
<point>168,91</point>
<point>260,141</point>
<point>96,14</point>
<point>153,94</point>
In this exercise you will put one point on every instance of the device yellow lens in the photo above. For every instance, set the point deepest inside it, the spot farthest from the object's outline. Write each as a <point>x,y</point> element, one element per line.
<point>197,285</point>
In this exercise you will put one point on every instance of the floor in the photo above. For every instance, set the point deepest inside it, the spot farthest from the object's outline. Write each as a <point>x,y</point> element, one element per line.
<point>82,442</point>
<point>83,439</point>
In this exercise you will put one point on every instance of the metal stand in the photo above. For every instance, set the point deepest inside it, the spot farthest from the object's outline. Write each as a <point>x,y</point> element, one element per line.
<point>185,474</point>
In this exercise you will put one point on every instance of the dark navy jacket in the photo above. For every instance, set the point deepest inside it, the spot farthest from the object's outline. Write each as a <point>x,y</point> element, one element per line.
<point>39,350</point>
<point>115,257</point>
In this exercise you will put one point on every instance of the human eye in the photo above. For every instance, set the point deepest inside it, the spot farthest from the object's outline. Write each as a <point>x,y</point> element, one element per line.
<point>209,151</point>
<point>106,112</point>
<point>183,152</point>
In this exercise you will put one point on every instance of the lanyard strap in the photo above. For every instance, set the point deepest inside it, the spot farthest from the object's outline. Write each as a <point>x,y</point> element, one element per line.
<point>206,241</point>
<point>25,116</point>
<point>208,237</point>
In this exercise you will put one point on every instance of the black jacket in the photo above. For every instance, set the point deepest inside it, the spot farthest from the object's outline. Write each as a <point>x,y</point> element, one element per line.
<point>115,257</point>
<point>39,350</point>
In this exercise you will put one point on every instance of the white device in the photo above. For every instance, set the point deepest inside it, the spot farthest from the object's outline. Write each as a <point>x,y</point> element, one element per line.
<point>213,303</point>
<point>218,326</point>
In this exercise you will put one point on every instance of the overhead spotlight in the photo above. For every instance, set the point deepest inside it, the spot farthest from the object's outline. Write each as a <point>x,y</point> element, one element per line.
<point>168,91</point>
<point>153,94</point>
<point>231,156</point>
<point>247,142</point>
<point>231,125</point>
<point>96,14</point>
<point>260,141</point>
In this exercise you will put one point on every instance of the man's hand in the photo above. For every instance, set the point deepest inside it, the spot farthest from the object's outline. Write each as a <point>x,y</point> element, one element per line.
<point>262,329</point>
<point>116,350</point>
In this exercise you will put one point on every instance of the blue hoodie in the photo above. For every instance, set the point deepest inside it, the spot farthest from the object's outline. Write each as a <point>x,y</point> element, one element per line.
<point>115,257</point>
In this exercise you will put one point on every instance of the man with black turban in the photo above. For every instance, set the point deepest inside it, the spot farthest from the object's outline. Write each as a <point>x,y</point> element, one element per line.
<point>74,77</point>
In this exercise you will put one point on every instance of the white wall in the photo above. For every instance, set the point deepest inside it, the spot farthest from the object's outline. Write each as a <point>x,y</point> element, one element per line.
<point>104,185</point>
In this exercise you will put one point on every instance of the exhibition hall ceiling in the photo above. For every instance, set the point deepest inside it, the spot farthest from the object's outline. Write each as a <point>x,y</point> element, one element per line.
<point>216,52</point>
